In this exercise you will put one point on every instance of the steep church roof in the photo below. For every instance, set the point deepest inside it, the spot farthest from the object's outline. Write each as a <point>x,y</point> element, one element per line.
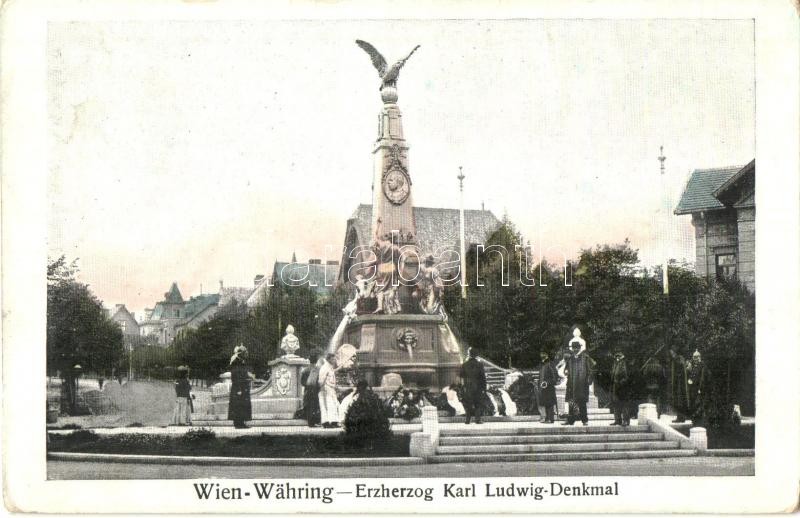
<point>437,228</point>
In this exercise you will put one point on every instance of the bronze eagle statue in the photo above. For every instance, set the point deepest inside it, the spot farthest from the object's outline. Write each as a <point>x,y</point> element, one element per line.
<point>388,75</point>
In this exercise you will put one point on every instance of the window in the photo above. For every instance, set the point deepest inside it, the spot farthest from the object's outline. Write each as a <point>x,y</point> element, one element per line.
<point>726,266</point>
<point>123,325</point>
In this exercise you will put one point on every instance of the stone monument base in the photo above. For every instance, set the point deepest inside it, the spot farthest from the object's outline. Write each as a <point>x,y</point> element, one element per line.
<point>420,349</point>
<point>280,398</point>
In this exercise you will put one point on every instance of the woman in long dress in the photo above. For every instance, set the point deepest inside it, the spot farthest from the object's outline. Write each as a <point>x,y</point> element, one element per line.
<point>239,407</point>
<point>310,381</point>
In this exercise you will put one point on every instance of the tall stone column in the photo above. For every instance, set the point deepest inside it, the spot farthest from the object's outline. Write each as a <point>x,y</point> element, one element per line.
<point>392,200</point>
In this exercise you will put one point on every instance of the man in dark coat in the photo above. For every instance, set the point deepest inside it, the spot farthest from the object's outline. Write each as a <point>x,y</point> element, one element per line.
<point>697,378</point>
<point>679,377</point>
<point>620,390</point>
<point>239,407</point>
<point>545,389</point>
<point>473,378</point>
<point>580,375</point>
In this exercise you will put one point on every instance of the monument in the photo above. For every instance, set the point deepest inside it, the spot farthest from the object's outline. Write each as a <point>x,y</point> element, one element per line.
<point>280,397</point>
<point>396,322</point>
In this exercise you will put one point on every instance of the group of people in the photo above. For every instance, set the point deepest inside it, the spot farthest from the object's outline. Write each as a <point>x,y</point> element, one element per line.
<point>579,371</point>
<point>320,403</point>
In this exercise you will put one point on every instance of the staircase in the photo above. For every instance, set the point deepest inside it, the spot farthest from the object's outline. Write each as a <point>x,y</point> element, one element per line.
<point>554,443</point>
<point>495,375</point>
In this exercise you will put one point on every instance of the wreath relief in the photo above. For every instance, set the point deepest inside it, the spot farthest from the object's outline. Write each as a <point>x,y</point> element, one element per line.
<point>406,340</point>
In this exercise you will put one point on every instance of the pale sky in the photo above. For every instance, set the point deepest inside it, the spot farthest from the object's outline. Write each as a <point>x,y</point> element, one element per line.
<point>200,151</point>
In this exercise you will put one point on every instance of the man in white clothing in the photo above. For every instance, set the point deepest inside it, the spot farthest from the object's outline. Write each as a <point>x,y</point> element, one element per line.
<point>328,402</point>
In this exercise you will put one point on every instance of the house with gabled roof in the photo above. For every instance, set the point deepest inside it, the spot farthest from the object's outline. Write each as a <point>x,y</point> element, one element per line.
<point>722,204</point>
<point>126,321</point>
<point>173,314</point>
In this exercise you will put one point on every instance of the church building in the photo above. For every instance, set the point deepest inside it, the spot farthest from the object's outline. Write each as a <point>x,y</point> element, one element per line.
<point>437,231</point>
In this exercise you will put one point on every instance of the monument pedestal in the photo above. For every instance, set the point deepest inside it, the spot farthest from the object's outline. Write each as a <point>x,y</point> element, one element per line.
<point>285,393</point>
<point>280,398</point>
<point>421,349</point>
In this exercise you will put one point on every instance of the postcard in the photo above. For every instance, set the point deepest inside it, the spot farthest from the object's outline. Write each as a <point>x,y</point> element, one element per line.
<point>365,258</point>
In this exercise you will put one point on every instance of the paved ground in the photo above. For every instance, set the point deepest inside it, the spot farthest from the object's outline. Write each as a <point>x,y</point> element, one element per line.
<point>688,466</point>
<point>230,431</point>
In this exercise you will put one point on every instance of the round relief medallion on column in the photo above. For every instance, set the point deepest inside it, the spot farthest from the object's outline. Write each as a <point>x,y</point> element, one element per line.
<point>396,186</point>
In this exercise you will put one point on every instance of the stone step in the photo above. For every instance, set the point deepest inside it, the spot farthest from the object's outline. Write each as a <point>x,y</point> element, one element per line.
<point>540,430</point>
<point>563,456</point>
<point>548,439</point>
<point>254,422</point>
<point>502,449</point>
<point>516,418</point>
<point>256,417</point>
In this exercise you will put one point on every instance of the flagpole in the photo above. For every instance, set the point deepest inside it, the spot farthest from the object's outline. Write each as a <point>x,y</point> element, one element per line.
<point>463,252</point>
<point>666,223</point>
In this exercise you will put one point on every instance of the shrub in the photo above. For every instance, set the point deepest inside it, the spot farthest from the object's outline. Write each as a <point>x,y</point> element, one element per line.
<point>82,436</point>
<point>366,418</point>
<point>199,435</point>
<point>68,426</point>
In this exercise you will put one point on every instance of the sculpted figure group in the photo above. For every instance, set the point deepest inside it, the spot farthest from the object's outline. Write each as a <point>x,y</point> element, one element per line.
<point>380,280</point>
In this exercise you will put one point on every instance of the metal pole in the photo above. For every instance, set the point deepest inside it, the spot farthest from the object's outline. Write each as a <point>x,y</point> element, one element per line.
<point>665,204</point>
<point>461,234</point>
<point>666,222</point>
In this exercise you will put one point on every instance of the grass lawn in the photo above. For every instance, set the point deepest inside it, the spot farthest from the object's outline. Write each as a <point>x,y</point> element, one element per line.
<point>736,438</point>
<point>204,442</point>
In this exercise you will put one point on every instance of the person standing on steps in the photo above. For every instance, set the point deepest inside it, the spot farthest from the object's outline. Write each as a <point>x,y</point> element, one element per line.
<point>697,379</point>
<point>328,402</point>
<point>239,406</point>
<point>679,386</point>
<point>620,390</point>
<point>473,378</point>
<point>580,375</point>
<point>545,388</point>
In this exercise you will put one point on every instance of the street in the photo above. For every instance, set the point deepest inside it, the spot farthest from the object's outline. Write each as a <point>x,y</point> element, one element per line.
<point>687,466</point>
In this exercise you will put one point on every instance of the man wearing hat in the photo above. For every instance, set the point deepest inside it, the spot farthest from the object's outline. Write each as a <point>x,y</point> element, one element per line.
<point>620,390</point>
<point>545,388</point>
<point>473,378</point>
<point>239,407</point>
<point>697,378</point>
<point>679,386</point>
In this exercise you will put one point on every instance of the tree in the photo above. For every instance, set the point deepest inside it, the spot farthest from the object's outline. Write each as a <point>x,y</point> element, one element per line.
<point>78,330</point>
<point>497,315</point>
<point>720,323</point>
